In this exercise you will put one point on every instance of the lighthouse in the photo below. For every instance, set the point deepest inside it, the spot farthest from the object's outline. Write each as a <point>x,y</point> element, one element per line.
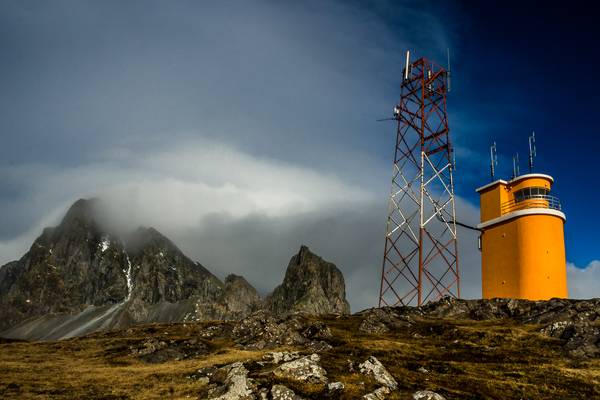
<point>522,239</point>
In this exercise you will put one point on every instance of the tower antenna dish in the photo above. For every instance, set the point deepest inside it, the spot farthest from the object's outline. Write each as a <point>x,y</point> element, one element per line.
<point>516,171</point>
<point>493,161</point>
<point>532,150</point>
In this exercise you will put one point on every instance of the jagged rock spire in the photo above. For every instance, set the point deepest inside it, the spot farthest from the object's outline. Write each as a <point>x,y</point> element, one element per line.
<point>311,284</point>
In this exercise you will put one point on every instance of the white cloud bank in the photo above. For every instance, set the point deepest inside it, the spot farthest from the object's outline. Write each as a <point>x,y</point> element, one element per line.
<point>175,188</point>
<point>584,283</point>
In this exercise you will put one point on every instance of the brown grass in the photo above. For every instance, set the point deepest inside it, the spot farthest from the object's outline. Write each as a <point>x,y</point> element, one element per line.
<point>465,360</point>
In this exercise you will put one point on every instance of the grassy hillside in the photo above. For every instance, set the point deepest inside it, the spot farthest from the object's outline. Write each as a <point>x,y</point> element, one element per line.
<point>460,359</point>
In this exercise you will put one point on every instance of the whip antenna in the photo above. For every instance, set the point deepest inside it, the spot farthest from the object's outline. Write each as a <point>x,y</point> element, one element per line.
<point>407,65</point>
<point>532,151</point>
<point>493,160</point>
<point>448,72</point>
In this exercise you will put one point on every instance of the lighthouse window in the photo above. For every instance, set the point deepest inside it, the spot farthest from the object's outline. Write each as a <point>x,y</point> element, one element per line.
<point>530,192</point>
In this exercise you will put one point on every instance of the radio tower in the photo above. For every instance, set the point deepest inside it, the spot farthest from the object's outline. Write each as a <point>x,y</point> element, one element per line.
<point>420,261</point>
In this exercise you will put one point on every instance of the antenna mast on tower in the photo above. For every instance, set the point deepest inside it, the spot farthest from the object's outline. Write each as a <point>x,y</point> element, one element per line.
<point>493,161</point>
<point>420,261</point>
<point>532,151</point>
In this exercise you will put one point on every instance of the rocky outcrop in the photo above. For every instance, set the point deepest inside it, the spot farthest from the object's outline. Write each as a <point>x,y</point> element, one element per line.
<point>382,320</point>
<point>305,369</point>
<point>157,351</point>
<point>236,382</point>
<point>372,367</point>
<point>262,330</point>
<point>573,322</point>
<point>231,382</point>
<point>312,285</point>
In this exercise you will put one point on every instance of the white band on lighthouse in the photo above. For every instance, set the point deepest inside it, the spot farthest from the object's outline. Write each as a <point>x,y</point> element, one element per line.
<point>520,213</point>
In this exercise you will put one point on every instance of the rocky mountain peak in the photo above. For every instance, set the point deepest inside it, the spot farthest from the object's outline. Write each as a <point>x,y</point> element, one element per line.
<point>311,284</point>
<point>148,242</point>
<point>67,268</point>
<point>236,280</point>
<point>240,296</point>
<point>81,212</point>
<point>304,254</point>
<point>80,265</point>
<point>148,236</point>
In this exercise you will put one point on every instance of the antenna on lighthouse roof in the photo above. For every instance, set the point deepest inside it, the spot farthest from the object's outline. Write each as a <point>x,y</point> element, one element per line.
<point>493,160</point>
<point>516,171</point>
<point>532,151</point>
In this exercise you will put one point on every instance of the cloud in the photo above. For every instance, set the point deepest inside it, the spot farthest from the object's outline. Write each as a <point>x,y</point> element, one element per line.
<point>300,83</point>
<point>176,187</point>
<point>584,283</point>
<point>238,213</point>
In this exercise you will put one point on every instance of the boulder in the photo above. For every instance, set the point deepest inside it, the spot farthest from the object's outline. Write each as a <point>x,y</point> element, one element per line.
<point>263,330</point>
<point>278,356</point>
<point>280,392</point>
<point>372,367</point>
<point>235,384</point>
<point>306,369</point>
<point>382,320</point>
<point>335,386</point>
<point>378,394</point>
<point>427,395</point>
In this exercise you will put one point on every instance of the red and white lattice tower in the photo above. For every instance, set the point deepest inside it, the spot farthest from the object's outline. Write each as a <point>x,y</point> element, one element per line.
<point>420,260</point>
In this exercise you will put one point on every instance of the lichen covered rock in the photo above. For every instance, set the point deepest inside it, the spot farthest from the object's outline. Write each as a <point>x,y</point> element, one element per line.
<point>378,394</point>
<point>427,395</point>
<point>235,385</point>
<point>280,392</point>
<point>306,369</point>
<point>372,367</point>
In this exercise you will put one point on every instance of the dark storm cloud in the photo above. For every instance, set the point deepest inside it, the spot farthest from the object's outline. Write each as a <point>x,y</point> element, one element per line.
<point>80,78</point>
<point>302,83</point>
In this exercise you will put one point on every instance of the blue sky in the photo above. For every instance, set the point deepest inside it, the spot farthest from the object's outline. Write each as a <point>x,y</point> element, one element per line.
<point>252,125</point>
<point>522,67</point>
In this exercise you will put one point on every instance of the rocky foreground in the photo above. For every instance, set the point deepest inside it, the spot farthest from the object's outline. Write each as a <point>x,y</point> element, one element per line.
<point>451,349</point>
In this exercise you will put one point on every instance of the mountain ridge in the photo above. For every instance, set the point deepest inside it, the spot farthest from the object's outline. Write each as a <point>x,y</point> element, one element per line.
<point>80,277</point>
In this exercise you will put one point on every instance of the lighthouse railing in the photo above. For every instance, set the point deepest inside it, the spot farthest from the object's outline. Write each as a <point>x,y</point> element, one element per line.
<point>531,201</point>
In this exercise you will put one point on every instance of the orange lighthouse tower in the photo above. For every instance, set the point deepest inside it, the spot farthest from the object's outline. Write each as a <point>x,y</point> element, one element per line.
<point>522,239</point>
